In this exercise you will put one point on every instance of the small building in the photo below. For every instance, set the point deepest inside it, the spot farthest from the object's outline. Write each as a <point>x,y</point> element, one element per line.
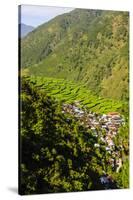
<point>113,113</point>
<point>96,145</point>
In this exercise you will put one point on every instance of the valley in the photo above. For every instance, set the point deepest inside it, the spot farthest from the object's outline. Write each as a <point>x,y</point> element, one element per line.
<point>74,72</point>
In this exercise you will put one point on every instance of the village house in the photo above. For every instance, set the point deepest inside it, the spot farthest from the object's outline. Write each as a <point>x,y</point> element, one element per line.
<point>103,126</point>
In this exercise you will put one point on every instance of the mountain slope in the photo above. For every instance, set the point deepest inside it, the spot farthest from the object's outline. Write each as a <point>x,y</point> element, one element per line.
<point>87,46</point>
<point>25,29</point>
<point>58,152</point>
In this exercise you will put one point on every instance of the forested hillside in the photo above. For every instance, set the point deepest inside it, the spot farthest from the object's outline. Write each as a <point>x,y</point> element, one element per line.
<point>60,154</point>
<point>74,103</point>
<point>85,46</point>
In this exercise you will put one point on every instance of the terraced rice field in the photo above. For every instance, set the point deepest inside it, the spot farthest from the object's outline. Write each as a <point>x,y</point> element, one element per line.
<point>68,92</point>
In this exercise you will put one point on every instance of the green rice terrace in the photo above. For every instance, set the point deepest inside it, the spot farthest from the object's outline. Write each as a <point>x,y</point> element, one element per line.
<point>68,92</point>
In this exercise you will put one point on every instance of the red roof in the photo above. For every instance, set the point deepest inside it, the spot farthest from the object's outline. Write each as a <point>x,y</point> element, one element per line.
<point>113,113</point>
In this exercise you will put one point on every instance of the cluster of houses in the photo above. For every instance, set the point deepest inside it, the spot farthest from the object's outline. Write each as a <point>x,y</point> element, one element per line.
<point>103,126</point>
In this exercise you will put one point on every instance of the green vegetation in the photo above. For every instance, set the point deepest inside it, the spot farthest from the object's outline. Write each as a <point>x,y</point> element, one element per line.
<point>80,56</point>
<point>56,155</point>
<point>68,92</point>
<point>85,46</point>
<point>59,155</point>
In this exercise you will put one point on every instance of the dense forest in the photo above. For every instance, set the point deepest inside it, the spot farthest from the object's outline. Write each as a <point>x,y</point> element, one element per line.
<point>74,112</point>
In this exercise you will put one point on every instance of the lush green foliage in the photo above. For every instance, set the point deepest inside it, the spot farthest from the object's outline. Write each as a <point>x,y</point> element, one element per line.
<point>58,155</point>
<point>68,92</point>
<point>123,140</point>
<point>79,56</point>
<point>87,46</point>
